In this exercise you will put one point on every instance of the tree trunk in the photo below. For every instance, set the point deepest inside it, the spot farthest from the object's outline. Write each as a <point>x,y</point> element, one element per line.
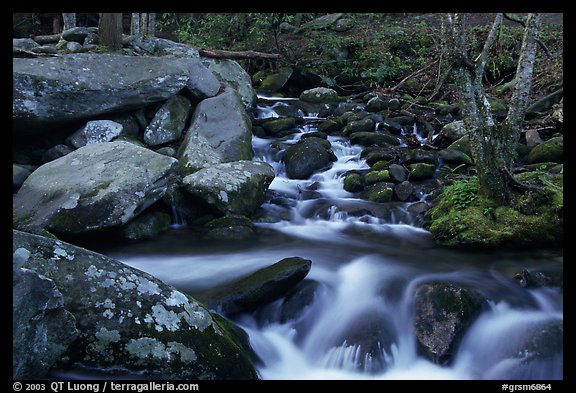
<point>69,20</point>
<point>135,28</point>
<point>57,24</point>
<point>151,31</point>
<point>110,31</point>
<point>144,25</point>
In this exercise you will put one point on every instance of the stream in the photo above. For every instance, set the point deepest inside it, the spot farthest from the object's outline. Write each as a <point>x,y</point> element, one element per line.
<point>356,320</point>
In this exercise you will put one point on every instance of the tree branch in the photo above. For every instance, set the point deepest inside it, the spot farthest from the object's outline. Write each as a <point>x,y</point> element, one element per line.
<point>483,56</point>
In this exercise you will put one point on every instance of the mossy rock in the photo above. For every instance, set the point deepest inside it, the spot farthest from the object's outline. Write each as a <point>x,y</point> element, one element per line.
<point>258,288</point>
<point>379,192</point>
<point>276,81</point>
<point>329,126</point>
<point>550,150</point>
<point>420,170</point>
<point>373,177</point>
<point>146,226</point>
<point>279,124</point>
<point>353,182</point>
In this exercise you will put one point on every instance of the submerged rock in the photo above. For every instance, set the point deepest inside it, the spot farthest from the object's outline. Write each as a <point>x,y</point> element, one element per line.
<point>443,312</point>
<point>307,157</point>
<point>128,318</point>
<point>98,186</point>
<point>258,288</point>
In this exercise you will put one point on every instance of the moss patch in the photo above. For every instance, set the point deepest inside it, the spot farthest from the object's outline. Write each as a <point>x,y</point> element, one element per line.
<point>463,219</point>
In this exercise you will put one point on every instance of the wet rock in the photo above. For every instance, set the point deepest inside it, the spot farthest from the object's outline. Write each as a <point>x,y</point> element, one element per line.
<point>392,126</point>
<point>379,192</point>
<point>373,177</point>
<point>220,131</point>
<point>419,171</point>
<point>307,157</point>
<point>24,43</point>
<point>95,131</point>
<point>353,182</point>
<point>451,156</point>
<point>169,122</point>
<point>146,226</point>
<point>363,125</point>
<point>532,279</point>
<point>56,152</point>
<point>274,126</point>
<point>532,138</point>
<point>42,329</point>
<point>373,155</point>
<point>403,190</point>
<point>257,289</point>
<point>236,187</point>
<point>419,156</point>
<point>298,299</point>
<point>129,318</point>
<point>77,34</point>
<point>551,150</point>
<point>397,173</point>
<point>462,145</point>
<point>454,131</point>
<point>443,312</point>
<point>98,186</point>
<point>274,82</point>
<point>373,139</point>
<point>319,95</point>
<point>230,227</point>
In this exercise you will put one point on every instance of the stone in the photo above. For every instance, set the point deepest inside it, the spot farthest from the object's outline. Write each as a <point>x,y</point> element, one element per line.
<point>551,150</point>
<point>419,171</point>
<point>353,182</point>
<point>169,122</point>
<point>319,95</point>
<point>373,177</point>
<point>98,186</point>
<point>403,190</point>
<point>128,318</point>
<point>19,175</point>
<point>307,157</point>
<point>258,288</point>
<point>95,131</point>
<point>55,152</point>
<point>379,192</point>
<point>373,139</point>
<point>76,34</point>
<point>274,82</point>
<point>454,130</point>
<point>146,226</point>
<point>235,187</point>
<point>230,73</point>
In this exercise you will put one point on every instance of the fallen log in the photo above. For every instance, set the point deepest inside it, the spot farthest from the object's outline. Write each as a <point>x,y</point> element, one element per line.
<point>47,39</point>
<point>236,55</point>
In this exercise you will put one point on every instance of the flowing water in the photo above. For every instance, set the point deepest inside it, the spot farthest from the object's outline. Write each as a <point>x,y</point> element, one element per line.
<point>354,318</point>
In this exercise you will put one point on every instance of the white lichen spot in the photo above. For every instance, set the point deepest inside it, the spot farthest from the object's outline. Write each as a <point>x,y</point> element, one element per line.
<point>196,316</point>
<point>92,289</point>
<point>121,319</point>
<point>137,320</point>
<point>138,303</point>
<point>108,314</point>
<point>186,354</point>
<point>139,194</point>
<point>108,283</point>
<point>72,202</point>
<point>144,347</point>
<point>165,318</point>
<point>69,278</point>
<point>109,304</point>
<point>108,336</point>
<point>20,257</point>
<point>148,318</point>
<point>147,287</point>
<point>93,272</point>
<point>223,196</point>
<point>176,298</point>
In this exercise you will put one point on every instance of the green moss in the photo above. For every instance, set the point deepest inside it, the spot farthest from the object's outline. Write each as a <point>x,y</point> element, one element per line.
<point>463,219</point>
<point>421,170</point>
<point>379,192</point>
<point>353,182</point>
<point>373,177</point>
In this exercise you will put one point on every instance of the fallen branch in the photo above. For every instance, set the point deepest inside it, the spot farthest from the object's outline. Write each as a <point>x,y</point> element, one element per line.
<point>233,55</point>
<point>414,74</point>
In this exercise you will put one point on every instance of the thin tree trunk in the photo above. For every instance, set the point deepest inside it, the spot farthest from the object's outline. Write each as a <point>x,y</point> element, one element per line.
<point>69,20</point>
<point>135,28</point>
<point>110,31</point>
<point>151,25</point>
<point>144,25</point>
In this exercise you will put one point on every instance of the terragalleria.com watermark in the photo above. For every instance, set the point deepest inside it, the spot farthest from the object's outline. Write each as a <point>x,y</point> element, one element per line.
<point>102,387</point>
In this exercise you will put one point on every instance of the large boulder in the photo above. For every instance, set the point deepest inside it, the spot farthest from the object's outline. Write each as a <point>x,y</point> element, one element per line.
<point>42,329</point>
<point>168,122</point>
<point>235,187</point>
<point>551,150</point>
<point>95,131</point>
<point>223,123</point>
<point>98,186</point>
<point>79,86</point>
<point>258,288</point>
<point>307,157</point>
<point>130,319</point>
<point>230,73</point>
<point>443,312</point>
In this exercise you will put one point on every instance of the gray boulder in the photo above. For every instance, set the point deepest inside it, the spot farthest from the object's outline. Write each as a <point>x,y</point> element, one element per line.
<point>95,131</point>
<point>74,87</point>
<point>202,83</point>
<point>42,329</point>
<point>222,123</point>
<point>169,121</point>
<point>131,319</point>
<point>77,34</point>
<point>454,131</point>
<point>19,175</point>
<point>319,95</point>
<point>307,157</point>
<point>24,43</point>
<point>55,152</point>
<point>551,150</point>
<point>258,288</point>
<point>230,73</point>
<point>164,47</point>
<point>97,186</point>
<point>235,187</point>
<point>274,82</point>
<point>443,312</point>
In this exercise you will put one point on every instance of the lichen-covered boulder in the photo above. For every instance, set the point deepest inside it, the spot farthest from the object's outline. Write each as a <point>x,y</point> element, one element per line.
<point>42,329</point>
<point>454,130</point>
<point>551,150</point>
<point>274,82</point>
<point>127,318</point>
<point>78,86</point>
<point>258,288</point>
<point>442,313</point>
<point>230,73</point>
<point>95,131</point>
<point>169,122</point>
<point>97,186</point>
<point>235,187</point>
<point>222,123</point>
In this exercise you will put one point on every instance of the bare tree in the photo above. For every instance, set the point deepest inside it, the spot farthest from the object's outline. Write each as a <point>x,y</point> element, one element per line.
<point>135,28</point>
<point>110,31</point>
<point>492,145</point>
<point>69,20</point>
